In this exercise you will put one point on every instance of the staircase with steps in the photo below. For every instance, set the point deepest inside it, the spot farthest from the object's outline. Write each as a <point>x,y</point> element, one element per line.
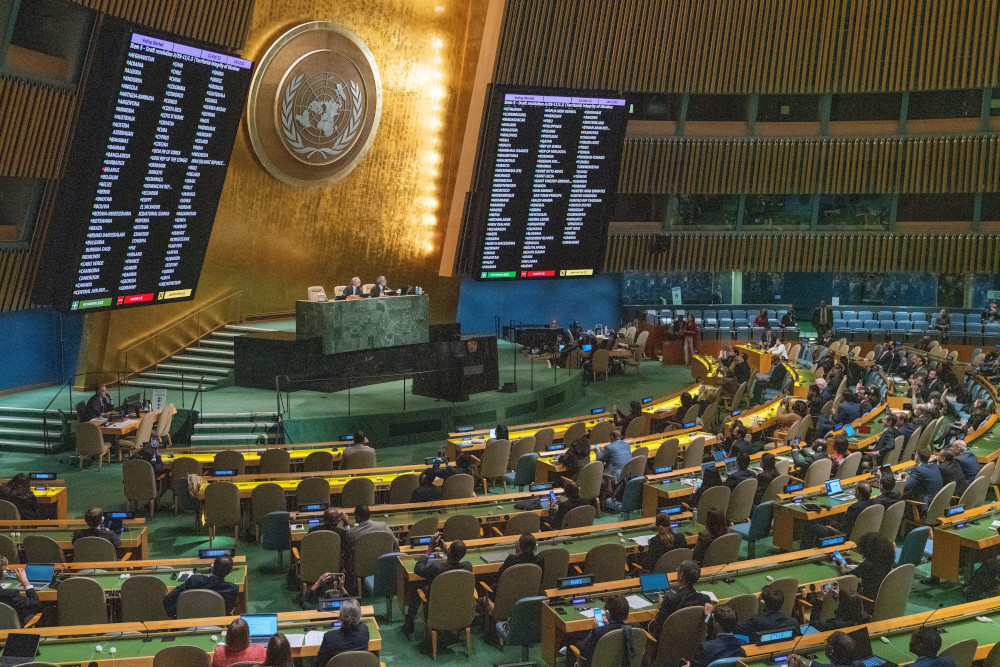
<point>235,428</point>
<point>24,429</point>
<point>209,361</point>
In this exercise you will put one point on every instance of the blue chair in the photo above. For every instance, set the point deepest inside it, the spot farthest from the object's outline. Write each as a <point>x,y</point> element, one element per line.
<point>849,315</point>
<point>958,317</point>
<point>758,527</point>
<point>383,582</point>
<point>631,498</point>
<point>525,625</point>
<point>724,313</point>
<point>524,471</point>
<point>884,315</point>
<point>276,534</point>
<point>912,550</point>
<point>901,316</point>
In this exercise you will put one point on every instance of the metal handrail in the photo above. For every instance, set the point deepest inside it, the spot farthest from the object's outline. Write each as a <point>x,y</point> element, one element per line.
<point>158,354</point>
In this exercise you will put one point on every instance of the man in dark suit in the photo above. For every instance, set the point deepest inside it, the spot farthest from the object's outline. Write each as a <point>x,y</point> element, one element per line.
<point>216,581</point>
<point>524,553</point>
<point>681,596</point>
<point>839,649</point>
<point>95,527</point>
<point>742,471</point>
<point>822,319</point>
<point>99,404</point>
<point>925,642</point>
<point>887,496</point>
<point>354,289</point>
<point>966,459</point>
<point>616,608</point>
<point>429,569</point>
<point>771,619</point>
<point>379,289</point>
<point>741,369</point>
<point>925,479</point>
<point>724,645</point>
<point>25,605</point>
<point>934,383</point>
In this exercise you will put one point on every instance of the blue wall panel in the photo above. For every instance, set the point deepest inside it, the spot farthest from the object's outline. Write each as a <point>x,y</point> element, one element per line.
<point>590,300</point>
<point>38,346</point>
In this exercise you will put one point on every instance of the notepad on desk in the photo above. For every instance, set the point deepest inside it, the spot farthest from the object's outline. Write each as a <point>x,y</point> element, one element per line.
<point>643,540</point>
<point>638,602</point>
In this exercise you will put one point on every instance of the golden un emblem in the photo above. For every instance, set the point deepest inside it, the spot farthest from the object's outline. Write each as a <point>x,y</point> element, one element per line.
<point>315,104</point>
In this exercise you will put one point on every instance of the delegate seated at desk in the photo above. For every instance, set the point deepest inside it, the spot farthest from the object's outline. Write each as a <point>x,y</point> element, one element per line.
<point>354,289</point>
<point>380,289</point>
<point>99,404</point>
<point>216,581</point>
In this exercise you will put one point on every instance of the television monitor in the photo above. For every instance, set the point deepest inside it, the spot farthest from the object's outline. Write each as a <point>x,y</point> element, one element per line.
<point>145,170</point>
<point>547,176</point>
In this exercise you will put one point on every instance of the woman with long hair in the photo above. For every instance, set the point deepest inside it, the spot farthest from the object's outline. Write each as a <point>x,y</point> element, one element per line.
<point>716,526</point>
<point>279,652</point>
<point>237,647</point>
<point>18,491</point>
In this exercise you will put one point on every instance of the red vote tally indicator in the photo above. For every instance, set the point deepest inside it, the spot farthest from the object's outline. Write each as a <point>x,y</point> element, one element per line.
<point>537,274</point>
<point>134,298</point>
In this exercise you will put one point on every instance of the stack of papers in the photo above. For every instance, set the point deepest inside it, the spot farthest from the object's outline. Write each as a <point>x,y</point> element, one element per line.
<point>638,602</point>
<point>311,638</point>
<point>643,540</point>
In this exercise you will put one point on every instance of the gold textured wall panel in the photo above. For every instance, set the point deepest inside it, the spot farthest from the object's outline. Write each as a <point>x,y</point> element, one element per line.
<point>34,121</point>
<point>272,240</point>
<point>751,46</point>
<point>878,165</point>
<point>941,253</point>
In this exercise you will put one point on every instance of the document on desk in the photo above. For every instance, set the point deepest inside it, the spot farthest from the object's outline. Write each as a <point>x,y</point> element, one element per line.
<point>638,602</point>
<point>643,540</point>
<point>311,638</point>
<point>589,613</point>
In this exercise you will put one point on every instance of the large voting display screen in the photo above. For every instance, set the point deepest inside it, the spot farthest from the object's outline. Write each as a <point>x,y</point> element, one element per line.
<point>145,172</point>
<point>548,177</point>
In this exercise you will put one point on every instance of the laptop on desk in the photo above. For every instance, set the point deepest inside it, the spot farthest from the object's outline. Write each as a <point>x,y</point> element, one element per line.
<point>20,649</point>
<point>39,574</point>
<point>863,650</point>
<point>261,626</point>
<point>835,490</point>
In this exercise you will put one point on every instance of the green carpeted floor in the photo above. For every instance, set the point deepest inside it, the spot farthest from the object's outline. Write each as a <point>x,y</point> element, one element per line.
<point>176,536</point>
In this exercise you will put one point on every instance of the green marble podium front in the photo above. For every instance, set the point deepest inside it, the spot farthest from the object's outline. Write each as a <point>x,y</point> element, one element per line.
<point>364,324</point>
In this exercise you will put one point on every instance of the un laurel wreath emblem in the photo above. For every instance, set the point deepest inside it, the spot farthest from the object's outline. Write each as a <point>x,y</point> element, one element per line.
<point>315,104</point>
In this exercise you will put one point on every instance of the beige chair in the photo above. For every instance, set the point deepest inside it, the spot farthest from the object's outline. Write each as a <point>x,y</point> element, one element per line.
<point>42,549</point>
<point>521,523</point>
<point>741,501</point>
<point>264,499</point>
<point>8,511</point>
<point>90,442</point>
<point>845,584</point>
<point>338,290</point>
<point>607,562</point>
<point>362,459</point>
<point>494,463</point>
<point>222,509</point>
<point>139,481</point>
<point>776,486</point>
<point>142,598</point>
<point>635,467</point>
<point>452,606</point>
<point>519,448</point>
<point>200,603</point>
<point>961,654</point>
<point>716,497</point>
<point>163,422</point>
<point>179,471</point>
<point>318,462</point>
<point>723,550</point>
<point>367,550</point>
<point>680,636</point>
<point>892,458</point>
<point>425,526</point>
<point>869,521</point>
<point>182,656</point>
<point>891,521</point>
<point>312,491</point>
<point>993,657</point>
<point>975,494</point>
<point>600,363</point>
<point>461,527</point>
<point>601,433</point>
<point>543,439</point>
<point>316,293</point>
<point>358,491</point>
<point>641,451</point>
<point>589,480</point>
<point>401,489</point>
<point>637,428</point>
<point>351,659</point>
<point>458,486</point>
<point>789,587</point>
<point>818,472</point>
<point>275,461</point>
<point>227,459</point>
<point>640,343</point>
<point>519,581</point>
<point>9,550</point>
<point>367,287</point>
<point>94,550</point>
<point>670,561</point>
<point>746,606</point>
<point>555,566</point>
<point>81,602</point>
<point>143,434</point>
<point>937,506</point>
<point>610,649</point>
<point>694,453</point>
<point>849,466</point>
<point>319,552</point>
<point>9,620</point>
<point>578,517</point>
<point>574,432</point>
<point>893,593</point>
<point>666,455</point>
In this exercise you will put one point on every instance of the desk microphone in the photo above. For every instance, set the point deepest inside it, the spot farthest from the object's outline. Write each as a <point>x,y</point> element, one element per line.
<point>145,627</point>
<point>796,644</point>
<point>927,620</point>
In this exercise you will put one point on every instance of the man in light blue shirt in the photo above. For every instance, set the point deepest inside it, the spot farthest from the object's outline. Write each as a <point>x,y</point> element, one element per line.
<point>615,454</point>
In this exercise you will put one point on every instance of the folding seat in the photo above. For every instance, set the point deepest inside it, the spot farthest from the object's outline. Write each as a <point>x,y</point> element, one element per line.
<point>742,329</point>
<point>739,314</point>
<point>756,333</point>
<point>973,334</point>
<point>726,324</point>
<point>918,317</point>
<point>696,313</point>
<point>973,318</point>
<point>772,315</point>
<point>884,315</point>
<point>958,317</point>
<point>709,314</point>
<point>710,330</point>
<point>652,317</point>
<point>886,325</point>
<point>849,315</point>
<point>901,316</point>
<point>724,313</point>
<point>782,313</point>
<point>991,333</point>
<point>667,313</point>
<point>866,315</point>
<point>956,333</point>
<point>838,324</point>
